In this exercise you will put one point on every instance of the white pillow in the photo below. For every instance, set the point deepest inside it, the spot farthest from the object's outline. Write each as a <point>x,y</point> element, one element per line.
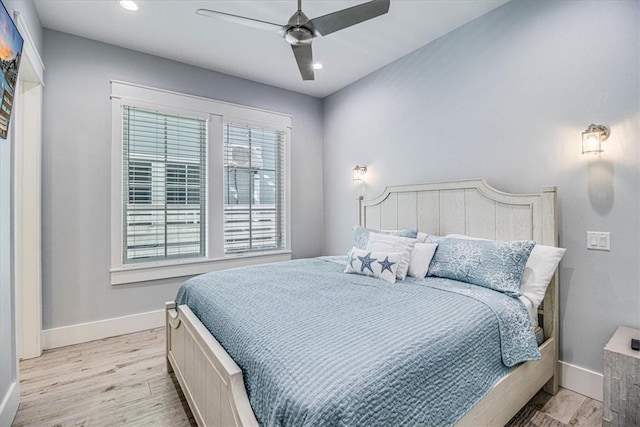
<point>421,237</point>
<point>376,264</point>
<point>538,271</point>
<point>387,243</point>
<point>421,258</point>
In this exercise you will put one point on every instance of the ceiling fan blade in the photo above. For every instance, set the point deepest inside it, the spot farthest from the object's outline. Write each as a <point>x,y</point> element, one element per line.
<point>304,58</point>
<point>250,22</point>
<point>344,18</point>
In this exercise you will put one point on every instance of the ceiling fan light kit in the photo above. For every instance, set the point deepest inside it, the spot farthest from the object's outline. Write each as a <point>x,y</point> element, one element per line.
<point>300,31</point>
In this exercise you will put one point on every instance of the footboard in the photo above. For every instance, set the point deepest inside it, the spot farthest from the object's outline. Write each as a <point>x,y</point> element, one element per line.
<point>211,381</point>
<point>513,391</point>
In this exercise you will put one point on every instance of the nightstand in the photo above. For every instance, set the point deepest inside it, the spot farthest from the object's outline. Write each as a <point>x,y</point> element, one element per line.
<point>621,406</point>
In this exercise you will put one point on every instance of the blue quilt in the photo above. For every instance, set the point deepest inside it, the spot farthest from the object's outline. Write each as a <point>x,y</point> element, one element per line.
<point>319,347</point>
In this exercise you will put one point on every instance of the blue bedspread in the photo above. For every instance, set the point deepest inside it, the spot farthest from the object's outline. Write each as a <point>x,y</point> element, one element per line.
<point>319,347</point>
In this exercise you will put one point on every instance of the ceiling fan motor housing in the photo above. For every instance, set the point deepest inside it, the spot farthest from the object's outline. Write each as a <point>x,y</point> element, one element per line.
<point>299,30</point>
<point>297,36</point>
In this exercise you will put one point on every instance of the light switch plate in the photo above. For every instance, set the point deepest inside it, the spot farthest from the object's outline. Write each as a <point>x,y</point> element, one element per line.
<point>599,240</point>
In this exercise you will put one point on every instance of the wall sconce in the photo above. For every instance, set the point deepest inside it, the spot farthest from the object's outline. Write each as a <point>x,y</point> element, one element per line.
<point>359,172</point>
<point>593,137</point>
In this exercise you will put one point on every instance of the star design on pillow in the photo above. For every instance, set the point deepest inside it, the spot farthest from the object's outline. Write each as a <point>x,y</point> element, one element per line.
<point>366,262</point>
<point>386,265</point>
<point>351,259</point>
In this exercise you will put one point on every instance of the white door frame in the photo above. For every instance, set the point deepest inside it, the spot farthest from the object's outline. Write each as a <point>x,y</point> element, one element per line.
<point>27,197</point>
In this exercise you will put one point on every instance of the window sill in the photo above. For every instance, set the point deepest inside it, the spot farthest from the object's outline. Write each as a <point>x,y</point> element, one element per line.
<point>164,270</point>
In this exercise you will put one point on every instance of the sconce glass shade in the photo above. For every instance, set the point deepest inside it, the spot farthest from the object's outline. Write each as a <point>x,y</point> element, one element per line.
<point>359,172</point>
<point>593,137</point>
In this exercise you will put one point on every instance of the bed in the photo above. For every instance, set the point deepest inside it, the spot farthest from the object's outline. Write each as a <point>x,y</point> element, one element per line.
<point>214,385</point>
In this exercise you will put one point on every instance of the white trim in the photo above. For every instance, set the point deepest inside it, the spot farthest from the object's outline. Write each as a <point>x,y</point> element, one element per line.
<point>116,184</point>
<point>287,186</point>
<point>27,217</point>
<point>136,92</point>
<point>29,48</point>
<point>581,380</point>
<point>27,196</point>
<point>90,331</point>
<point>9,405</point>
<point>140,273</point>
<point>215,193</point>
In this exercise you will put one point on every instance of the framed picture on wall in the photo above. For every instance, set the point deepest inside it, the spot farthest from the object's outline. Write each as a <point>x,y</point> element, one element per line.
<point>10,53</point>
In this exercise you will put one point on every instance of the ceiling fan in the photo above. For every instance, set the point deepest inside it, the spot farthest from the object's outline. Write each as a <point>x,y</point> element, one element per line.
<point>300,31</point>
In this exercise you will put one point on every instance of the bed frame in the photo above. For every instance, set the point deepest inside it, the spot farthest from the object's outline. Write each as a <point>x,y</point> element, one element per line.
<point>212,382</point>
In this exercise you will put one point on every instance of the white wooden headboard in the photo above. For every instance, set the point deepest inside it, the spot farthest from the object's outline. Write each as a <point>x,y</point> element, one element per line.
<point>470,207</point>
<point>474,208</point>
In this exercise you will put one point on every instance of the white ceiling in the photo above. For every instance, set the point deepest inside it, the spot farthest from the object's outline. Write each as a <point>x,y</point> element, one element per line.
<point>171,29</point>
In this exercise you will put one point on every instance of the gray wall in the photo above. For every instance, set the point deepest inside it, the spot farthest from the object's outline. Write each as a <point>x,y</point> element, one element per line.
<point>506,98</point>
<point>76,170</point>
<point>8,362</point>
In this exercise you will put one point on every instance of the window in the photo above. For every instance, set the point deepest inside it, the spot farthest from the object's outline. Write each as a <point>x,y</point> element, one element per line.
<point>139,183</point>
<point>164,157</point>
<point>183,184</point>
<point>253,189</point>
<point>197,185</point>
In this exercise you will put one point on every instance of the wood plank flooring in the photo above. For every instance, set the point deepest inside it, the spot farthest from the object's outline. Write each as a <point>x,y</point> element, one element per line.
<point>110,382</point>
<point>122,381</point>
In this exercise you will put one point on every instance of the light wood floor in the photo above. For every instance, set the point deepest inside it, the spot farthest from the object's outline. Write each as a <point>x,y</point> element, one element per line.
<point>122,381</point>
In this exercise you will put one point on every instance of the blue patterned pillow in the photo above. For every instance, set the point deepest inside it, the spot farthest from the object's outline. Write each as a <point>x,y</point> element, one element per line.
<point>432,238</point>
<point>361,235</point>
<point>496,265</point>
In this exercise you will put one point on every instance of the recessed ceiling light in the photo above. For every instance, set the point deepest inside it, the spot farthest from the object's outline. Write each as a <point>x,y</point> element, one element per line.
<point>129,5</point>
<point>318,66</point>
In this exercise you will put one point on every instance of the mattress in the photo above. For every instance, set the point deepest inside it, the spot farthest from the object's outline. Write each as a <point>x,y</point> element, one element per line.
<point>319,347</point>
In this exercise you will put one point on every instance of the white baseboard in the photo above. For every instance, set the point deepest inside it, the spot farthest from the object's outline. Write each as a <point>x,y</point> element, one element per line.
<point>581,380</point>
<point>9,405</point>
<point>83,332</point>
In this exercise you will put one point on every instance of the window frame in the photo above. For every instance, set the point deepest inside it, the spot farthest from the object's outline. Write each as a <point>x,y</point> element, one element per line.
<point>216,113</point>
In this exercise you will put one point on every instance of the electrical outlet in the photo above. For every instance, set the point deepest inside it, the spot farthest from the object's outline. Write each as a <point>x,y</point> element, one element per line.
<point>599,240</point>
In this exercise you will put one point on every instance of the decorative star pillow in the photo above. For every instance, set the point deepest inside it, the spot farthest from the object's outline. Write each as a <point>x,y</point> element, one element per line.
<point>376,264</point>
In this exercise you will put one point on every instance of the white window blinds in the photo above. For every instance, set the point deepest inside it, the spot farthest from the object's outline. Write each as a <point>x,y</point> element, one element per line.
<point>254,189</point>
<point>164,165</point>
